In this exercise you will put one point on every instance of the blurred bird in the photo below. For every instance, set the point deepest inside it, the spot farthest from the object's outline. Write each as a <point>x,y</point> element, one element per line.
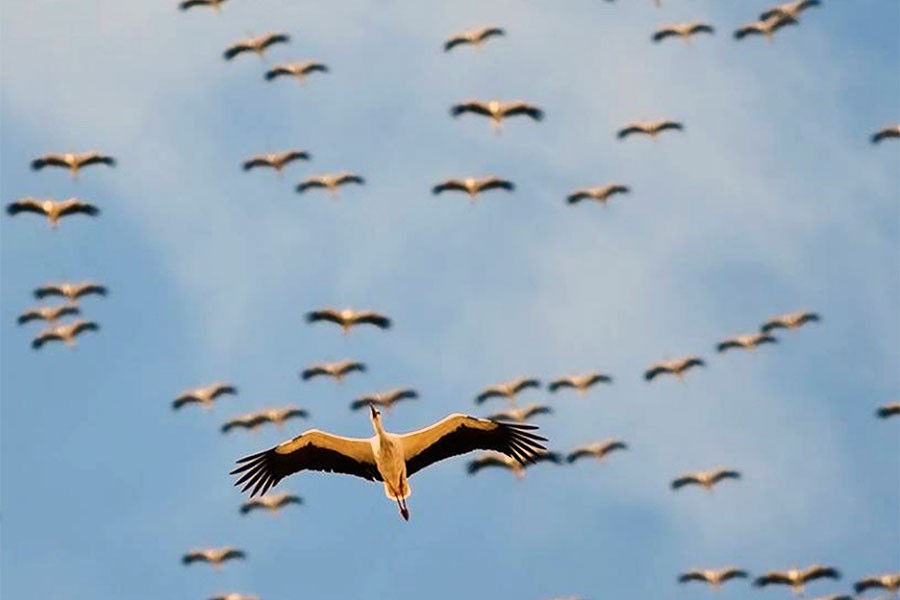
<point>580,383</point>
<point>684,31</point>
<point>391,458</point>
<point>348,318</point>
<point>790,321</point>
<point>746,342</point>
<point>329,181</point>
<point>51,314</point>
<point>599,194</point>
<point>797,578</point>
<point>892,132</point>
<point>213,556</point>
<point>473,186</point>
<point>277,160</point>
<point>72,291</point>
<point>707,479</point>
<point>234,596</point>
<point>63,333</point>
<point>833,597</point>
<point>497,111</point>
<point>889,582</point>
<point>520,415</point>
<point>767,28</point>
<point>335,370</point>
<point>188,4</point>
<point>257,45</point>
<point>385,400</point>
<point>676,367</point>
<point>276,416</point>
<point>508,390</point>
<point>597,450</point>
<point>891,409</point>
<point>651,128</point>
<point>298,70</point>
<point>52,209</point>
<point>72,161</point>
<point>473,37</point>
<point>270,504</point>
<point>790,11</point>
<point>714,577</point>
<point>495,459</point>
<point>204,395</point>
<point>249,422</point>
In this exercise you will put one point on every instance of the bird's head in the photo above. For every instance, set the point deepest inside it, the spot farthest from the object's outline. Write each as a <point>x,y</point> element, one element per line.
<point>374,412</point>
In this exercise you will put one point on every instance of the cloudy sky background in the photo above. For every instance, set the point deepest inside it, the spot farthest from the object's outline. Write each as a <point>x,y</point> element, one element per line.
<point>772,200</point>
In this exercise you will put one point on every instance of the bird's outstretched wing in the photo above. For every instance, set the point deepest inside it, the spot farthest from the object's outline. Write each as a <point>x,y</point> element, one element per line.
<point>449,185</point>
<point>691,576</point>
<point>663,34</point>
<point>472,106</point>
<point>772,578</point>
<point>372,318</point>
<point>523,108</point>
<point>48,160</point>
<point>495,183</point>
<point>71,207</point>
<point>95,158</point>
<point>25,205</point>
<point>683,481</point>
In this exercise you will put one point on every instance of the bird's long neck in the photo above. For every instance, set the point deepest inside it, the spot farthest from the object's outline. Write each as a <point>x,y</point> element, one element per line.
<point>379,428</point>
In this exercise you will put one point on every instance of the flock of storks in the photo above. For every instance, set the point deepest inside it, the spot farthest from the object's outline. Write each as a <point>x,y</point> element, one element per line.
<point>507,441</point>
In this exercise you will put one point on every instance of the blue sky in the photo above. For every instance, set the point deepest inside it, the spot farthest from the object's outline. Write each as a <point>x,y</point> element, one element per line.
<point>772,200</point>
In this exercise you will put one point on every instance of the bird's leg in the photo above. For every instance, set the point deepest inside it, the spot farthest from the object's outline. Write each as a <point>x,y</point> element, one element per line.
<point>496,127</point>
<point>74,173</point>
<point>401,503</point>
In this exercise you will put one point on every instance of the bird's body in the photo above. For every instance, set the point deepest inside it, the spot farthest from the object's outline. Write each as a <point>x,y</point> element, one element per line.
<point>329,181</point>
<point>714,577</point>
<point>598,450</point>
<point>520,415</point>
<point>189,4</point>
<point>649,128</point>
<point>676,367</point>
<point>275,160</point>
<point>473,37</point>
<point>579,383</point>
<point>72,291</point>
<point>890,582</point>
<point>335,370</point>
<point>684,30</point>
<point>746,342</point>
<point>598,194</point>
<point>473,186</point>
<point>270,504</point>
<point>891,409</point>
<point>204,396</point>
<point>387,457</point>
<point>508,389</point>
<point>54,210</point>
<point>385,400</point>
<point>63,333</point>
<point>348,318</point>
<point>790,321</point>
<point>496,459</point>
<point>497,111</point>
<point>766,28</point>
<point>891,132</point>
<point>50,314</point>
<point>797,578</point>
<point>257,45</point>
<point>72,161</point>
<point>213,556</point>
<point>705,479</point>
<point>297,70</point>
<point>790,10</point>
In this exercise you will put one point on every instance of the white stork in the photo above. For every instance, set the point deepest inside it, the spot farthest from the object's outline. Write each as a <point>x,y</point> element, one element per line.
<point>713,577</point>
<point>790,321</point>
<point>474,37</point>
<point>889,582</point>
<point>387,457</point>
<point>745,342</point>
<point>73,161</point>
<point>706,479</point>
<point>797,578</point>
<point>497,110</point>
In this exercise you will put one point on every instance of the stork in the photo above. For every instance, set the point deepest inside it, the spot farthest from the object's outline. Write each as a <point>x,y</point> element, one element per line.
<point>797,578</point>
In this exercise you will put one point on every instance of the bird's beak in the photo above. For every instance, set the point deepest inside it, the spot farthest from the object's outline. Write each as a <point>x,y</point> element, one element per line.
<point>373,410</point>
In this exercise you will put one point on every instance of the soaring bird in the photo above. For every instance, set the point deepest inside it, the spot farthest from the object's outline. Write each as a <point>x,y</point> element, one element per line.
<point>52,209</point>
<point>496,459</point>
<point>746,342</point>
<point>72,161</point>
<point>276,160</point>
<point>520,415</point>
<point>348,318</point>
<point>250,422</point>
<point>891,409</point>
<point>473,186</point>
<point>790,11</point>
<point>329,181</point>
<point>790,321</point>
<point>188,4</point>
<point>474,37</point>
<point>676,367</point>
<point>270,503</point>
<point>889,582</point>
<point>767,27</point>
<point>508,389</point>
<point>597,450</point>
<point>234,596</point>
<point>51,314</point>
<point>204,396</point>
<point>599,194</point>
<point>891,132</point>
<point>298,70</point>
<point>213,556</point>
<point>580,383</point>
<point>257,45</point>
<point>797,578</point>
<point>336,370</point>
<point>714,577</point>
<point>391,458</point>
<point>707,479</point>
<point>497,110</point>
<point>63,333</point>
<point>279,416</point>
<point>385,400</point>
<point>651,128</point>
<point>684,31</point>
<point>72,291</point>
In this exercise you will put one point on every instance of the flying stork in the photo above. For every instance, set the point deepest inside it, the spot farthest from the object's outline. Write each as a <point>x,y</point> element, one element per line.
<point>72,161</point>
<point>474,37</point>
<point>797,578</point>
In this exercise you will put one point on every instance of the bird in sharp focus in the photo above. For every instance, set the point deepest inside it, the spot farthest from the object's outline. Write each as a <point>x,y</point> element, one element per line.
<point>72,161</point>
<point>54,210</point>
<point>473,37</point>
<point>473,186</point>
<point>705,479</point>
<point>349,318</point>
<point>256,45</point>
<point>204,396</point>
<point>385,400</point>
<point>497,111</point>
<point>797,578</point>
